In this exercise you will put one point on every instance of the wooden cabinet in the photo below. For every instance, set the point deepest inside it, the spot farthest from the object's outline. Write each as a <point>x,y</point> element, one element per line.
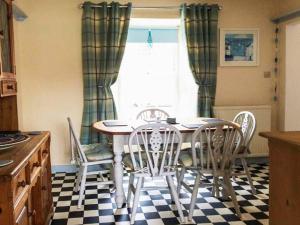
<point>8,84</point>
<point>284,184</point>
<point>8,70</point>
<point>23,218</point>
<point>25,185</point>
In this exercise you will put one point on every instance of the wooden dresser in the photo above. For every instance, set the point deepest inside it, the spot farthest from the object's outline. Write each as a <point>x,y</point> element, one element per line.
<point>284,203</point>
<point>25,185</point>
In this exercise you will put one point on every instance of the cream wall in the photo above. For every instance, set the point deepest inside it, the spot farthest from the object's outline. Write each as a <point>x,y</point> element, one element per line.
<point>286,6</point>
<point>48,54</point>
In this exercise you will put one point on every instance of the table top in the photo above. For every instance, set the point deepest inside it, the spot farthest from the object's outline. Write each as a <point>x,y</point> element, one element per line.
<point>291,137</point>
<point>131,125</point>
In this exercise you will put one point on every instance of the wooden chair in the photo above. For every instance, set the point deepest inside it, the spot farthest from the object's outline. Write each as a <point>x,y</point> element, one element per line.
<point>87,156</point>
<point>154,149</point>
<point>247,122</point>
<point>152,114</point>
<point>213,149</point>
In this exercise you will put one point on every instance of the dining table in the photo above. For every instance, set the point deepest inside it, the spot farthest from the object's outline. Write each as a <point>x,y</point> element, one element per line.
<point>120,132</point>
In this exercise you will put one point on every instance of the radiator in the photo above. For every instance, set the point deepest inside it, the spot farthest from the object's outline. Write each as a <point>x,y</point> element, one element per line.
<point>262,113</point>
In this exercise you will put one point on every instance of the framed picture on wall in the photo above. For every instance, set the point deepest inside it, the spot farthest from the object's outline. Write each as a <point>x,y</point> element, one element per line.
<point>239,47</point>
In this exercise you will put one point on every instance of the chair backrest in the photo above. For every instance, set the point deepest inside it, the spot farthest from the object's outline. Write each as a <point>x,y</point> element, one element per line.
<point>154,148</point>
<point>152,114</point>
<point>76,149</point>
<point>247,122</point>
<point>214,145</point>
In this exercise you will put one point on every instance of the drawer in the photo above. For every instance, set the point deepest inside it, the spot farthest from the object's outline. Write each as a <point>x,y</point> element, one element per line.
<point>34,165</point>
<point>8,88</point>
<point>19,184</point>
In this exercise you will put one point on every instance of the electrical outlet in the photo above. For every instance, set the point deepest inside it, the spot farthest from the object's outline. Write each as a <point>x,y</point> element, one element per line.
<point>267,74</point>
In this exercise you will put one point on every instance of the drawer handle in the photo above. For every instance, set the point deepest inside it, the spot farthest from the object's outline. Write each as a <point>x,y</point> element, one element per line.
<point>33,213</point>
<point>0,210</point>
<point>45,152</point>
<point>21,184</point>
<point>44,188</point>
<point>10,87</point>
<point>36,164</point>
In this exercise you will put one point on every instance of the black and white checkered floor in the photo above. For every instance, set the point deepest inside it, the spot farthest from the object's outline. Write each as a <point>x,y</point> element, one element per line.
<point>155,205</point>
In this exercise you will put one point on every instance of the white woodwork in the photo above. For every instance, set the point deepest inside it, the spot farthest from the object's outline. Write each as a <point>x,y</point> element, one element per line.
<point>154,149</point>
<point>83,165</point>
<point>247,122</point>
<point>292,78</point>
<point>213,148</point>
<point>152,114</point>
<point>262,113</point>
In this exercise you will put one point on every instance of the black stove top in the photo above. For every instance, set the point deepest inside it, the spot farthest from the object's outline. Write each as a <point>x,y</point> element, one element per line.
<point>12,138</point>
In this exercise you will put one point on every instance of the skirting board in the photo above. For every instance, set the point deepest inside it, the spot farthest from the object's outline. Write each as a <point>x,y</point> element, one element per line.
<point>63,169</point>
<point>73,169</point>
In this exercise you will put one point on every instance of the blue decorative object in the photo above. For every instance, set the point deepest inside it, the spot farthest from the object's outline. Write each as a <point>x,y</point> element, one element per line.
<point>149,39</point>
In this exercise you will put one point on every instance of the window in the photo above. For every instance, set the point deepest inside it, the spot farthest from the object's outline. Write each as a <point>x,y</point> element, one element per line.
<point>151,73</point>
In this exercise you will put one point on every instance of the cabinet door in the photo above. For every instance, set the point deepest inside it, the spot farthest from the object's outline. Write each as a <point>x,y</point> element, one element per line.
<point>46,190</point>
<point>6,39</point>
<point>35,203</point>
<point>23,217</point>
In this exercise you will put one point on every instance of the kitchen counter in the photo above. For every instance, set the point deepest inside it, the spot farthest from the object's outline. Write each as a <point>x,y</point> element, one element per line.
<point>284,201</point>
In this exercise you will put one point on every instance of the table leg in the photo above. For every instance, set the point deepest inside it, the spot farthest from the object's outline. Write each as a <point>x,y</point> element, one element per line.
<point>118,151</point>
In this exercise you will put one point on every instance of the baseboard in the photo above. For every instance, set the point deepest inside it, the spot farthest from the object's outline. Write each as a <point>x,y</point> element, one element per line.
<point>73,169</point>
<point>256,160</point>
<point>63,169</point>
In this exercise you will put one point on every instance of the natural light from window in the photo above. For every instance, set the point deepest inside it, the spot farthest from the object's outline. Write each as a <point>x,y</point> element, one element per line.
<point>154,71</point>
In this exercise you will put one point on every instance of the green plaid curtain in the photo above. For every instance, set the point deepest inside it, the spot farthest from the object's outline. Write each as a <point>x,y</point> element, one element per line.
<point>201,26</point>
<point>104,34</point>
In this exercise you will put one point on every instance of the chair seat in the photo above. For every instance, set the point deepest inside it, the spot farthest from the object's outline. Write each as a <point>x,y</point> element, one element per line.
<point>98,152</point>
<point>185,157</point>
<point>128,162</point>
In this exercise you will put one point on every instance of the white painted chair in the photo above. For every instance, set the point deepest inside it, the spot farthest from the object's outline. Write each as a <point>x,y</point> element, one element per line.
<point>213,149</point>
<point>152,114</point>
<point>247,122</point>
<point>154,149</point>
<point>87,156</point>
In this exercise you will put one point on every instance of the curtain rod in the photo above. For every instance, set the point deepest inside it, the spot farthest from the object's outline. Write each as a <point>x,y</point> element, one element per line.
<point>146,7</point>
<point>286,17</point>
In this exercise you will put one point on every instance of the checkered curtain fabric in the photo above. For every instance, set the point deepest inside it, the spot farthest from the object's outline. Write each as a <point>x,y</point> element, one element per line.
<point>104,34</point>
<point>201,26</point>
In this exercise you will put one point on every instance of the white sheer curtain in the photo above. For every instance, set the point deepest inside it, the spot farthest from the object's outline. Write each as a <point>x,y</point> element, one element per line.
<point>159,76</point>
<point>187,88</point>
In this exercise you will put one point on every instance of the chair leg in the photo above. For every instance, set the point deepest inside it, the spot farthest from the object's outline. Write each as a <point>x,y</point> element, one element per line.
<point>244,163</point>
<point>79,175</point>
<point>232,194</point>
<point>233,167</point>
<point>131,180</point>
<point>136,199</point>
<point>169,186</point>
<point>143,182</point>
<point>175,197</point>
<point>216,187</point>
<point>194,196</point>
<point>180,179</point>
<point>82,186</point>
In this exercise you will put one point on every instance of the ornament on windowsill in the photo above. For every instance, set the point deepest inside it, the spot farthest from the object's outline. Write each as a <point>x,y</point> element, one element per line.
<point>149,39</point>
